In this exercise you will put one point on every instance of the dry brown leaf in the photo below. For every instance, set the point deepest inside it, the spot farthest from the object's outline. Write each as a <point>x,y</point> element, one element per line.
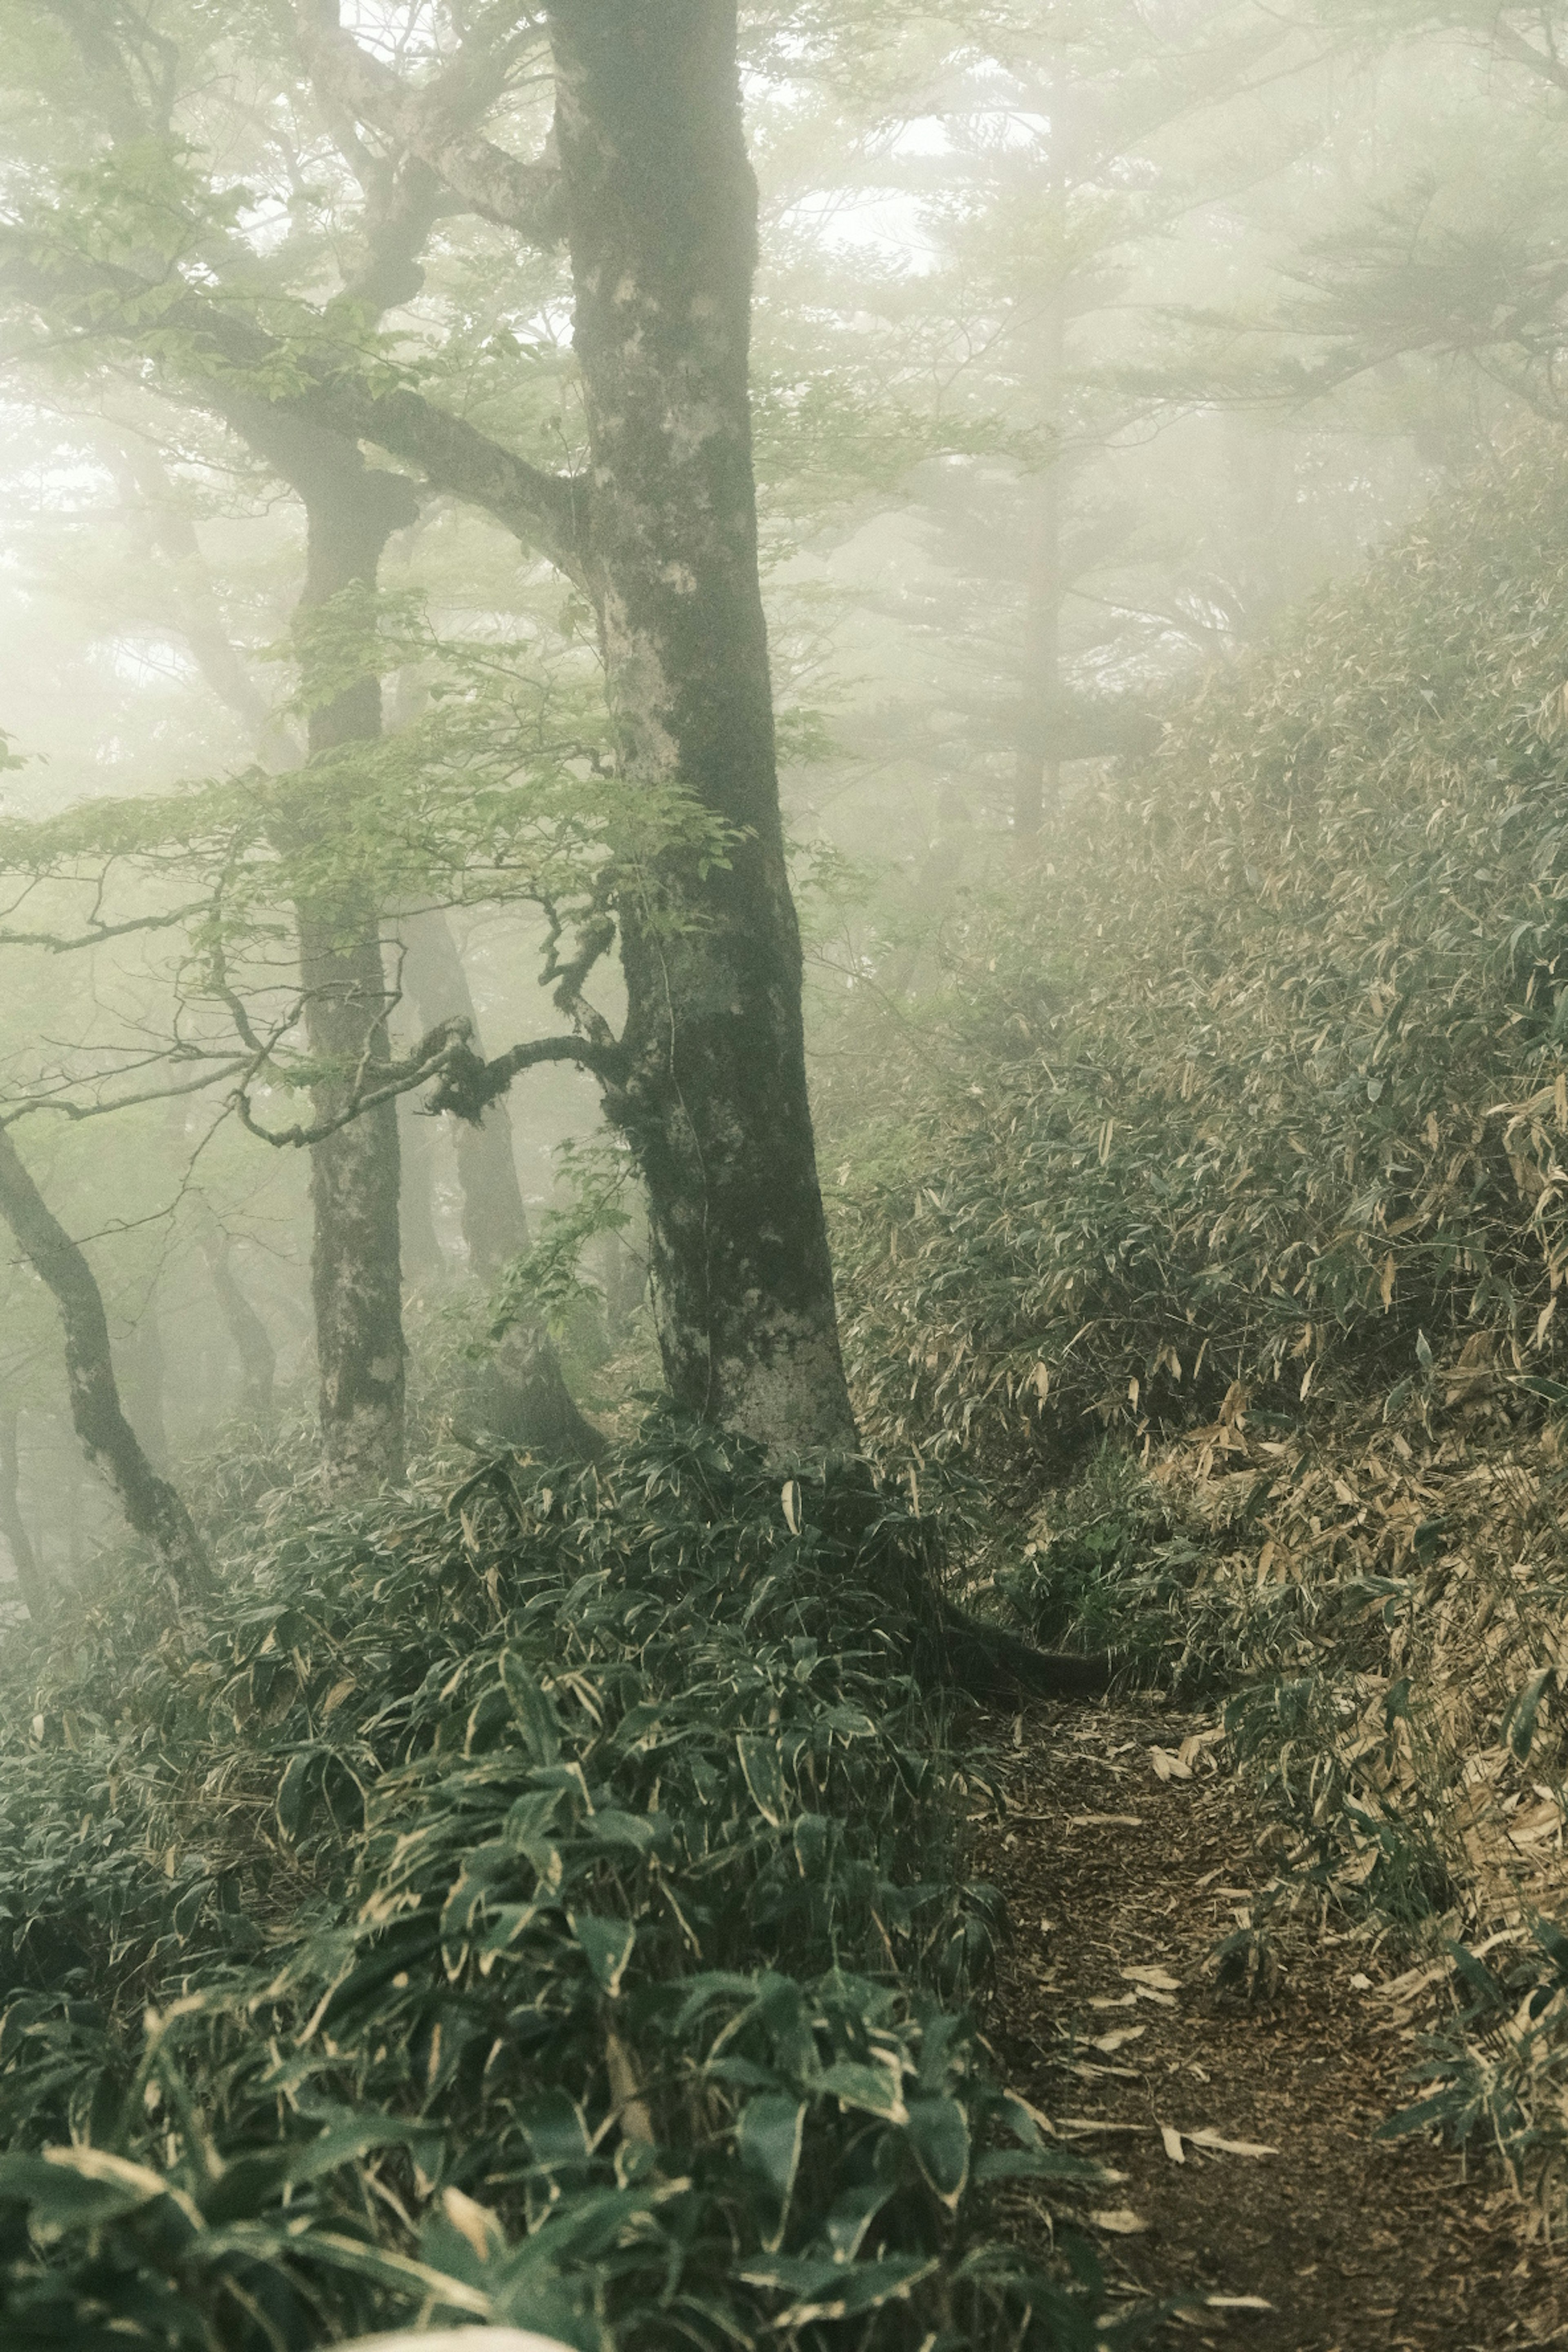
<point>1173,2144</point>
<point>1121,2220</point>
<point>1210,2138</point>
<point>1117,2039</point>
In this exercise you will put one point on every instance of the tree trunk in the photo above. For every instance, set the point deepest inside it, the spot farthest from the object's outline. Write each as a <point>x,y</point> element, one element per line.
<point>525,1393</point>
<point>355,1271</point>
<point>150,1505</point>
<point>661,209</point>
<point>495,1221</point>
<point>30,1580</point>
<point>252,1340</point>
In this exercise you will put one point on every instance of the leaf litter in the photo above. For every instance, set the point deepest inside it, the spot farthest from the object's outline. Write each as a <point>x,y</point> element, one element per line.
<point>1258,2198</point>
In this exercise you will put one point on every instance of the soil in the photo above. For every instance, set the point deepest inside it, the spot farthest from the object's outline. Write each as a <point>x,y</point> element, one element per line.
<point>1353,2244</point>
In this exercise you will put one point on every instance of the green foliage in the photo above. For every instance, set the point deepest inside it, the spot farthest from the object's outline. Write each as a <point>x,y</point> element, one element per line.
<point>549,1279</point>
<point>1263,1073</point>
<point>542,1905</point>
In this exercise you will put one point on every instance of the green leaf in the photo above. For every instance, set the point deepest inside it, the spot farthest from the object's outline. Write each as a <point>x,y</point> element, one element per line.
<point>938,2132</point>
<point>852,2214</point>
<point>534,1711</point>
<point>83,2187</point>
<point>763,1769</point>
<point>1033,2164</point>
<point>292,1790</point>
<point>1517,1727</point>
<point>557,2133</point>
<point>873,2089</point>
<point>608,1945</point>
<point>768,2141</point>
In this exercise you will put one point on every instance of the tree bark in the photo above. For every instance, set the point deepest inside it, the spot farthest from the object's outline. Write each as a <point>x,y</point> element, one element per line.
<point>661,206</point>
<point>526,1393</point>
<point>351,512</point>
<point>31,1579</point>
<point>152,1507</point>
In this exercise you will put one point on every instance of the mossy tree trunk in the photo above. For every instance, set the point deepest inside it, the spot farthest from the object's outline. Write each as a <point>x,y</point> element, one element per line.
<point>31,1581</point>
<point>660,208</point>
<point>357,1281</point>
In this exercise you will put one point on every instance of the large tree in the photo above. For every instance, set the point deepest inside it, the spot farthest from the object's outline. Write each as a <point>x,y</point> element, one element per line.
<point>651,183</point>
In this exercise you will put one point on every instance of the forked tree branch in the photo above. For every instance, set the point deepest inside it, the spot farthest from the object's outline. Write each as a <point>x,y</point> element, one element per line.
<point>428,123</point>
<point>236,367</point>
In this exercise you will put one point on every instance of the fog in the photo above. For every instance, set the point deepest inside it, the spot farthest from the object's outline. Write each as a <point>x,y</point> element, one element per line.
<point>458,461</point>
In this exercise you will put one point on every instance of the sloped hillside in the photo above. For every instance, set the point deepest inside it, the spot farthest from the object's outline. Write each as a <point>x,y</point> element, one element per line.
<point>1263,1076</point>
<point>1232,1249</point>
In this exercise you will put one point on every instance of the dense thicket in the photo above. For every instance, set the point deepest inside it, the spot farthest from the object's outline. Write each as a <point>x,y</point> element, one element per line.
<point>543,1904</point>
<point>1262,1065</point>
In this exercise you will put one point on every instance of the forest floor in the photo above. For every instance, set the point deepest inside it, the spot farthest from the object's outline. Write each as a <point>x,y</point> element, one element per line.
<point>1110,2019</point>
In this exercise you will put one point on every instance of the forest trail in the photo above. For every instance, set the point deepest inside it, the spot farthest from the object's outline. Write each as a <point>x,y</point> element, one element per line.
<point>1355,2244</point>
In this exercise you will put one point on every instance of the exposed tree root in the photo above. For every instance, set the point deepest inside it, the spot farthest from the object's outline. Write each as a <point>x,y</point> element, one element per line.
<point>991,1663</point>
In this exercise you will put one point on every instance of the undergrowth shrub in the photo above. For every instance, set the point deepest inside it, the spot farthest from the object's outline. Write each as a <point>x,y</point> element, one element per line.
<point>543,1904</point>
<point>1260,1074</point>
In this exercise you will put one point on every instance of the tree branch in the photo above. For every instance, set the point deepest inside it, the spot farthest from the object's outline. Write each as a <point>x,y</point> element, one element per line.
<point>428,123</point>
<point>437,1052</point>
<point>469,1085</point>
<point>234,366</point>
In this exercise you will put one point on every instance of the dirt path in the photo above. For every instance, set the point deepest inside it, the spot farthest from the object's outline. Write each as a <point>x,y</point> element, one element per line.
<point>1355,2245</point>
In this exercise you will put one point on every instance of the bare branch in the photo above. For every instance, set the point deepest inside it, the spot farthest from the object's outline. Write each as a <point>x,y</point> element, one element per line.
<point>65,1107</point>
<point>51,942</point>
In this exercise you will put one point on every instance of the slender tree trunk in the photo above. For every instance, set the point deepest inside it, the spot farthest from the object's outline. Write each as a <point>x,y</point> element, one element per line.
<point>526,1395</point>
<point>31,1579</point>
<point>152,1506</point>
<point>356,1269</point>
<point>661,208</point>
<point>495,1221</point>
<point>252,1340</point>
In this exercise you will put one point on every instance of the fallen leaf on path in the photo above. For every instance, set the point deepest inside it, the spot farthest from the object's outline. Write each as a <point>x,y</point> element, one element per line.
<point>1115,2000</point>
<point>1173,2140</point>
<point>1223,2147</point>
<point>1237,2303</point>
<point>1121,2220</point>
<point>1361,1981</point>
<point>1168,1766</point>
<point>1117,2037</point>
<point>1161,1999</point>
<point>1158,1980</point>
<point>1103,1822</point>
<point>1192,1748</point>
